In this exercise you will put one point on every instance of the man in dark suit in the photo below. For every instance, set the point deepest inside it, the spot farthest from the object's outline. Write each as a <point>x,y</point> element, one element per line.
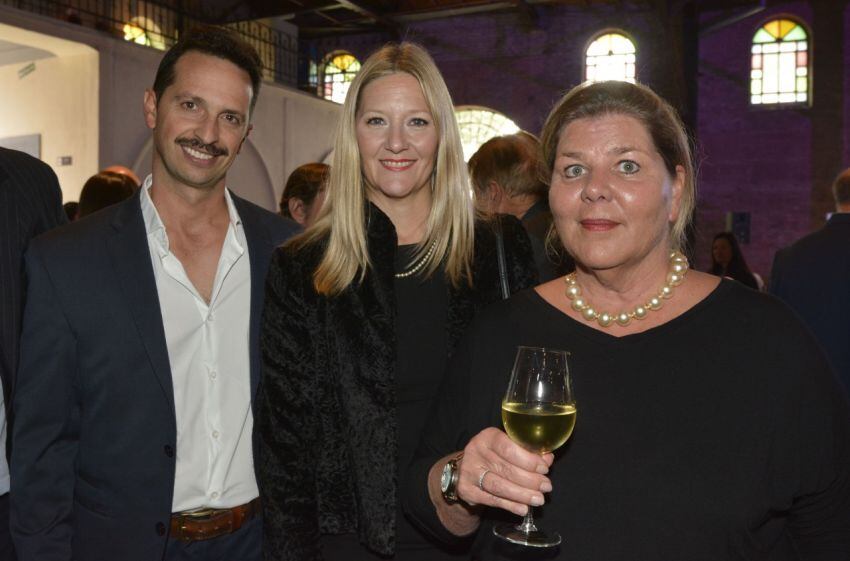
<point>813,277</point>
<point>140,354</point>
<point>30,203</point>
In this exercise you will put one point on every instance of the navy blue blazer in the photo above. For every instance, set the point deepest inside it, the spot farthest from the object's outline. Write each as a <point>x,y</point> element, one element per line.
<point>813,277</point>
<point>30,203</point>
<point>94,442</point>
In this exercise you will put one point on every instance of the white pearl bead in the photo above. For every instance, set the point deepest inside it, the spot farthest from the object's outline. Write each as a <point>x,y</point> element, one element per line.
<point>666,291</point>
<point>572,291</point>
<point>605,319</point>
<point>640,312</point>
<point>578,304</point>
<point>623,319</point>
<point>589,313</point>
<point>655,303</point>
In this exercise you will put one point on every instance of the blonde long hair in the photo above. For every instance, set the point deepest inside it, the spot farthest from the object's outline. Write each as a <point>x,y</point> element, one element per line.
<point>342,220</point>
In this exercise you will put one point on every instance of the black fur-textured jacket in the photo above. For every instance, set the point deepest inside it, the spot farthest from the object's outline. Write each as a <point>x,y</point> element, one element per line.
<point>325,407</point>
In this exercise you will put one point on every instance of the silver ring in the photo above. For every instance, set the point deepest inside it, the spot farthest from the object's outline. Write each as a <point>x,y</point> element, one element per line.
<point>481,479</point>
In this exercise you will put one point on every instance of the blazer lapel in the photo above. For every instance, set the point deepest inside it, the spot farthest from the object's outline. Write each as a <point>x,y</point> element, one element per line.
<point>128,250</point>
<point>260,249</point>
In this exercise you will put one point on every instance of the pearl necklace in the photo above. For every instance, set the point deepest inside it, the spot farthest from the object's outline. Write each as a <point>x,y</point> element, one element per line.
<point>675,275</point>
<point>416,267</point>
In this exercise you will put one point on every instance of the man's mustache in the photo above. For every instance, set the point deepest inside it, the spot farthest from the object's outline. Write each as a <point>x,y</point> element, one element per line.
<point>195,144</point>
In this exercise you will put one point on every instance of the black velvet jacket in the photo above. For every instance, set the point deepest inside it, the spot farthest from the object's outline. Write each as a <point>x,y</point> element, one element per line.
<point>325,407</point>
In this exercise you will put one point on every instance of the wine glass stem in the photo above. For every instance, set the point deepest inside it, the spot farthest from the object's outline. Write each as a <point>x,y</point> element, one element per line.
<point>527,525</point>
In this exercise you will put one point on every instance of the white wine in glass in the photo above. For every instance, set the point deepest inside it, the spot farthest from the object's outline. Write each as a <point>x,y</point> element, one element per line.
<point>539,413</point>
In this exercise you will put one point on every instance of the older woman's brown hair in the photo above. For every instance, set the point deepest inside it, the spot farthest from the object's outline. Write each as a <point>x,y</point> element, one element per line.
<point>660,119</point>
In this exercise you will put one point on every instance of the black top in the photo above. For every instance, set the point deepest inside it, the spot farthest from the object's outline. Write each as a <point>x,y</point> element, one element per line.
<point>326,413</point>
<point>721,434</point>
<point>421,348</point>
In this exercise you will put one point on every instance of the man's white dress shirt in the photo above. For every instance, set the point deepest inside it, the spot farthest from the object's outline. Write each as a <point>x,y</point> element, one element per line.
<point>210,367</point>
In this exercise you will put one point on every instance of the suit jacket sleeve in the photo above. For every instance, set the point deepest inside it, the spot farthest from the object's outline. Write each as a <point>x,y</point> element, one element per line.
<point>287,416</point>
<point>46,431</point>
<point>775,284</point>
<point>519,255</point>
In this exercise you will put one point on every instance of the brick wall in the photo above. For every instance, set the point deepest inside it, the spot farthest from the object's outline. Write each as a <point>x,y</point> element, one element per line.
<point>775,164</point>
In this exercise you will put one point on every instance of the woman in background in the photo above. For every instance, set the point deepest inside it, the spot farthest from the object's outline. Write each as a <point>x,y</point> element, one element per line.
<point>727,260</point>
<point>304,193</point>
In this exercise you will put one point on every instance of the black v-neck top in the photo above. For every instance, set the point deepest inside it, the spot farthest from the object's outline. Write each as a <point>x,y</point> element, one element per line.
<point>721,434</point>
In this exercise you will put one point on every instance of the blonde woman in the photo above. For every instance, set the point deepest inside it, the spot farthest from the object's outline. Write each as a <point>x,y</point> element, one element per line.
<point>363,310</point>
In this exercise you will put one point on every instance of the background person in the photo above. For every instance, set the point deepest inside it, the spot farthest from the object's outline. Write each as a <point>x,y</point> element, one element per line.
<point>104,189</point>
<point>362,311</point>
<point>506,179</point>
<point>304,193</point>
<point>813,275</point>
<point>709,429</point>
<point>30,204</point>
<point>124,170</point>
<point>727,260</point>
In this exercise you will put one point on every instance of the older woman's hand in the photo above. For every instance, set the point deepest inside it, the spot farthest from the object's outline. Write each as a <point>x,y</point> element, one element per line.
<point>497,472</point>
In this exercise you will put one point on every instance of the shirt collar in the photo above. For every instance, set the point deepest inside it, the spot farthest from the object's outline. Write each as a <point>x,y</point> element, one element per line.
<point>153,223</point>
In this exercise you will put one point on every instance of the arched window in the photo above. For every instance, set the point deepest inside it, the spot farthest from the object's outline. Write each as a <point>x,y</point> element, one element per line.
<point>478,125</point>
<point>338,71</point>
<point>143,31</point>
<point>611,56</point>
<point>779,70</point>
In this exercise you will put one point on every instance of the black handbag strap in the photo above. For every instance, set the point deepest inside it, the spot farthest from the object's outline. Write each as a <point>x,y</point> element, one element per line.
<point>503,266</point>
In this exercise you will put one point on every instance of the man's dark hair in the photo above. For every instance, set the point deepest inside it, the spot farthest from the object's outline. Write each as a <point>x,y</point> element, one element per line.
<point>841,188</point>
<point>210,40</point>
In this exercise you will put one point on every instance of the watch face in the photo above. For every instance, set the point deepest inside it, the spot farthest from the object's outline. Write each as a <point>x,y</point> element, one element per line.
<point>446,478</point>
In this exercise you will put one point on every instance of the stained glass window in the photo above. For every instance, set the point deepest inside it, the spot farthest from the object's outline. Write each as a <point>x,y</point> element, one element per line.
<point>779,67</point>
<point>142,31</point>
<point>610,56</point>
<point>337,74</point>
<point>478,125</point>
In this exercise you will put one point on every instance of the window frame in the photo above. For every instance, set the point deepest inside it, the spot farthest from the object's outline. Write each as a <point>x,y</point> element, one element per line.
<point>595,37</point>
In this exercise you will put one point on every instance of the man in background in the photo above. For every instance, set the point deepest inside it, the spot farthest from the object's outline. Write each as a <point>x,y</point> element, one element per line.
<point>507,179</point>
<point>30,203</point>
<point>813,277</point>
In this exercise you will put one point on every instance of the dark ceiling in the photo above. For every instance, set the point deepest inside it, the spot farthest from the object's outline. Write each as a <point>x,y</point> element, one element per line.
<point>315,18</point>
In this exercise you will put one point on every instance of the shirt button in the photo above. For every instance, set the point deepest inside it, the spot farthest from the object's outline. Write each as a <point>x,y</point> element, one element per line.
<point>214,494</point>
<point>215,434</point>
<point>209,318</point>
<point>169,451</point>
<point>160,529</point>
<point>213,374</point>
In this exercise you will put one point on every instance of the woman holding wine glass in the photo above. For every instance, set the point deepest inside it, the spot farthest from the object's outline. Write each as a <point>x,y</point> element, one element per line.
<point>362,311</point>
<point>708,423</point>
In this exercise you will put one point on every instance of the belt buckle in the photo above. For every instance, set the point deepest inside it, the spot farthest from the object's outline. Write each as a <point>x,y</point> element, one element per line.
<point>200,513</point>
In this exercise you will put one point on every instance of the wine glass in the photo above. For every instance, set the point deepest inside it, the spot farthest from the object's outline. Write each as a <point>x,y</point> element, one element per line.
<point>539,413</point>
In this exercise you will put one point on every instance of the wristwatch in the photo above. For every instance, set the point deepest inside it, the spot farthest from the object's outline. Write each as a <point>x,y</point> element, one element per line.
<point>448,481</point>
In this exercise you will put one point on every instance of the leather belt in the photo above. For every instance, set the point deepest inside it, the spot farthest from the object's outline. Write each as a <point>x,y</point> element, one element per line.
<point>210,523</point>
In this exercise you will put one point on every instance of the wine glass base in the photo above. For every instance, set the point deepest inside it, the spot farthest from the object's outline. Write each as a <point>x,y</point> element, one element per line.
<point>535,538</point>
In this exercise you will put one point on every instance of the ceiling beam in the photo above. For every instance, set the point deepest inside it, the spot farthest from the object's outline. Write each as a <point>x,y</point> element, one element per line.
<point>384,21</point>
